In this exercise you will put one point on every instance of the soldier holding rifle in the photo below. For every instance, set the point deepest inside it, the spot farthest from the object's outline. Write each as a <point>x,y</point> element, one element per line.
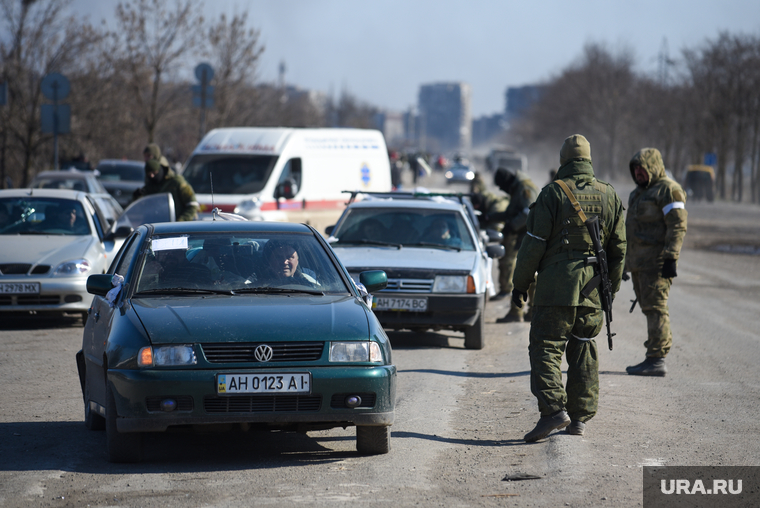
<point>568,308</point>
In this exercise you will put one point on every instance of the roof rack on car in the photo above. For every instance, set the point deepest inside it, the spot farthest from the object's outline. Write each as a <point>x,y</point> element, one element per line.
<point>407,195</point>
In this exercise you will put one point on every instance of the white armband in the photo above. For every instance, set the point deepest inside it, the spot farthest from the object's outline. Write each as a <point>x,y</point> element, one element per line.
<point>536,237</point>
<point>674,204</point>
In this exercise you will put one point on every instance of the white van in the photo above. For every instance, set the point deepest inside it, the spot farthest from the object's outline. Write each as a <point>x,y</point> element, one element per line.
<point>286,174</point>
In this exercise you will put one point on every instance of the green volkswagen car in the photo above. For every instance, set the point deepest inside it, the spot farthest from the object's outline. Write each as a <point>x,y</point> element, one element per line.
<point>243,325</point>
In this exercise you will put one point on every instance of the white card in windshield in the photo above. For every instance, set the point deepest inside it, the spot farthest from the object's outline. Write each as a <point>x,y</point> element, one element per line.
<point>179,242</point>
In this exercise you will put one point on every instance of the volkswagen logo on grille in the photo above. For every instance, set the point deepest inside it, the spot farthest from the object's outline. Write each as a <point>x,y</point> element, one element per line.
<point>263,353</point>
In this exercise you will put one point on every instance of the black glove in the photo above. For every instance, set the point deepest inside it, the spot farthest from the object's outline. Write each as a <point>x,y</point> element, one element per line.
<point>138,193</point>
<point>519,298</point>
<point>669,268</point>
<point>626,276</point>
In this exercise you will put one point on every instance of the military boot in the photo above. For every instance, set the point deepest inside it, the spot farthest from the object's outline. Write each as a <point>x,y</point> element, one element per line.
<point>546,424</point>
<point>514,315</point>
<point>576,428</point>
<point>651,366</point>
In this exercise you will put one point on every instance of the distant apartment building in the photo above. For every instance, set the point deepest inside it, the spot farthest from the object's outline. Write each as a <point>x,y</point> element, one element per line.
<point>445,120</point>
<point>486,129</point>
<point>519,99</point>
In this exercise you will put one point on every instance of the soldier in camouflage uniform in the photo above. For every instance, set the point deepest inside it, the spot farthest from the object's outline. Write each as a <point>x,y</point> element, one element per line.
<point>557,246</point>
<point>522,192</point>
<point>160,178</point>
<point>656,226</point>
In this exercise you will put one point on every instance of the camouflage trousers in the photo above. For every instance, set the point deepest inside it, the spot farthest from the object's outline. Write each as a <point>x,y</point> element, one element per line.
<point>652,290</point>
<point>507,262</point>
<point>511,243</point>
<point>570,330</point>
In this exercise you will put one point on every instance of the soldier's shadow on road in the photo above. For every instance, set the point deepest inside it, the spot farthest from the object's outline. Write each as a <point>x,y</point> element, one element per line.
<point>483,375</point>
<point>69,446</point>
<point>468,442</point>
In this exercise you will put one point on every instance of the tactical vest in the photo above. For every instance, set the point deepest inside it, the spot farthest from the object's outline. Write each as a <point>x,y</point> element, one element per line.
<point>571,239</point>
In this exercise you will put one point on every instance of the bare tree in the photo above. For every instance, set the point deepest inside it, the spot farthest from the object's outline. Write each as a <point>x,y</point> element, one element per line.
<point>42,41</point>
<point>150,45</point>
<point>235,52</point>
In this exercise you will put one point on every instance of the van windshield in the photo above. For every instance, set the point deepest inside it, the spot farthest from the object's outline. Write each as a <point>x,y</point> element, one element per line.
<point>231,173</point>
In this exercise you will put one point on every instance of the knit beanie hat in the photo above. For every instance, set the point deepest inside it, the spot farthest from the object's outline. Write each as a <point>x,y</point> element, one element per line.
<point>574,147</point>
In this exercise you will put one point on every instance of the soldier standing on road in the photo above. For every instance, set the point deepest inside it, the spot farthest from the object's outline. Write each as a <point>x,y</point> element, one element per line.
<point>522,192</point>
<point>558,246</point>
<point>160,178</point>
<point>656,226</point>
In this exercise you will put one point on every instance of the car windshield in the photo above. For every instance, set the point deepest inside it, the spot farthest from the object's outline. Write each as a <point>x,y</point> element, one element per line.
<point>42,216</point>
<point>231,174</point>
<point>122,172</point>
<point>407,227</point>
<point>227,263</point>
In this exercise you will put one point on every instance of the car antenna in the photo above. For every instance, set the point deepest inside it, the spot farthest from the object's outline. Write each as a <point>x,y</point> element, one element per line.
<point>214,210</point>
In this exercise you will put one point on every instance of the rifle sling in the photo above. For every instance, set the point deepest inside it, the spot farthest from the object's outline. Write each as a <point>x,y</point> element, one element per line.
<point>573,201</point>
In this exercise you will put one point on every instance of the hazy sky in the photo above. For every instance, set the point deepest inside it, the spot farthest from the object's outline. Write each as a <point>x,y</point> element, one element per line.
<point>383,50</point>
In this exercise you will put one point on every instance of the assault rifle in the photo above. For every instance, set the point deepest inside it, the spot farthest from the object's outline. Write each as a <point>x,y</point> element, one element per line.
<point>602,278</point>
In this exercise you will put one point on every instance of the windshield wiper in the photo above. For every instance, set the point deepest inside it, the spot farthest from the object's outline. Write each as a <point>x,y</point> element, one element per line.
<point>172,291</point>
<point>371,242</point>
<point>264,290</point>
<point>434,245</point>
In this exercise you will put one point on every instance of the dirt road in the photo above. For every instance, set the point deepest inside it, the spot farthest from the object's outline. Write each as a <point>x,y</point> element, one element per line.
<point>460,418</point>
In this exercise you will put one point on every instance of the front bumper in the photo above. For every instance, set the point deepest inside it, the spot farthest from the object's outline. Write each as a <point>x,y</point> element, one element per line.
<point>443,311</point>
<point>57,294</point>
<point>132,389</point>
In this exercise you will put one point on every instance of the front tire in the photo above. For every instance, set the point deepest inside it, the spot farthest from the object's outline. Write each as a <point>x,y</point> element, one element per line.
<point>473,335</point>
<point>122,447</point>
<point>373,440</point>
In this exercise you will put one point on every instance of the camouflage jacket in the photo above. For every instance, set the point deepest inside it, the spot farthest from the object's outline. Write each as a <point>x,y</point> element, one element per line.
<point>656,218</point>
<point>562,275</point>
<point>185,204</point>
<point>493,205</point>
<point>522,193</point>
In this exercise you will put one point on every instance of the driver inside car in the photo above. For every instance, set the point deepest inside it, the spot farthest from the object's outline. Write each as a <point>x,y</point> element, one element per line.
<point>282,265</point>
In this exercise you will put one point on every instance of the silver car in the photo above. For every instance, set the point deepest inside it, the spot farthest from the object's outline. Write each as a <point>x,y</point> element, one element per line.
<point>50,242</point>
<point>439,270</point>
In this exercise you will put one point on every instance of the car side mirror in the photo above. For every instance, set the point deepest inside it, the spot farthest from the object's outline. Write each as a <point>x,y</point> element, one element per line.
<point>375,280</point>
<point>99,284</point>
<point>329,229</point>
<point>495,251</point>
<point>494,236</point>
<point>286,189</point>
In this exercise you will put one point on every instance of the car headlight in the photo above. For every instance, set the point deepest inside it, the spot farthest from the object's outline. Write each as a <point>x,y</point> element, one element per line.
<point>166,356</point>
<point>74,267</point>
<point>450,284</point>
<point>448,174</point>
<point>364,351</point>
<point>470,175</point>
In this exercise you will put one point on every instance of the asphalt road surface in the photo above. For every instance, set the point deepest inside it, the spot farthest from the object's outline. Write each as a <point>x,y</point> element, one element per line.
<point>460,416</point>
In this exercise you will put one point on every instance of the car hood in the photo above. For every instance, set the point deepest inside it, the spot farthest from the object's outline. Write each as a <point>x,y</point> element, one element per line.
<point>44,249</point>
<point>406,257</point>
<point>252,318</point>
